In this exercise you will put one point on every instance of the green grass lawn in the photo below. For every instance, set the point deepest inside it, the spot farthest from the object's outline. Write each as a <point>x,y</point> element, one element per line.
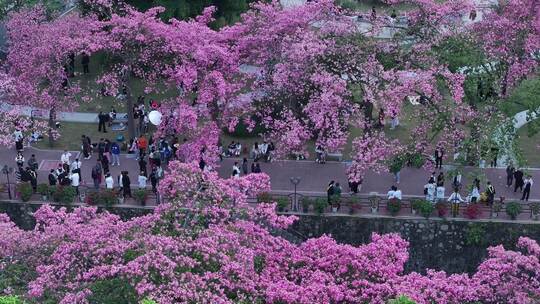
<point>71,136</point>
<point>529,146</point>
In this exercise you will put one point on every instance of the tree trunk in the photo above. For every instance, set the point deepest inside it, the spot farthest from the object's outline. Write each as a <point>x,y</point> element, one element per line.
<point>52,118</point>
<point>131,120</point>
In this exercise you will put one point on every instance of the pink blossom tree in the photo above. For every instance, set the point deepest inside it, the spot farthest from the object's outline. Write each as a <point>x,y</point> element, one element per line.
<point>206,244</point>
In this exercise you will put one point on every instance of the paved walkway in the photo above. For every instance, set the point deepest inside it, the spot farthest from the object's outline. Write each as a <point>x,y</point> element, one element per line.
<point>314,176</point>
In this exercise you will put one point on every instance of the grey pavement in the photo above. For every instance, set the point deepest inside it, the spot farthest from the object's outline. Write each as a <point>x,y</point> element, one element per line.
<point>314,176</point>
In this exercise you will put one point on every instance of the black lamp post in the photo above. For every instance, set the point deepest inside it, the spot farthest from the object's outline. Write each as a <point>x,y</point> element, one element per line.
<point>295,181</point>
<point>7,171</point>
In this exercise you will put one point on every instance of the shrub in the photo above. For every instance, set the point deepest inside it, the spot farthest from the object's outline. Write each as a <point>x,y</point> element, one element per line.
<point>282,203</point>
<point>148,301</point>
<point>417,204</point>
<point>10,300</point>
<point>535,208</point>
<point>394,206</point>
<point>442,209</point>
<point>401,300</point>
<point>43,189</point>
<point>425,208</point>
<point>319,205</point>
<point>140,196</point>
<point>264,197</point>
<point>474,235</point>
<point>64,194</point>
<point>472,211</point>
<point>26,191</point>
<point>396,164</point>
<point>106,198</point>
<point>305,204</point>
<point>513,209</point>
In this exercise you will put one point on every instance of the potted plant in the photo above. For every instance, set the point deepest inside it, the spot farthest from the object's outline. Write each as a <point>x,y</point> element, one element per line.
<point>141,195</point>
<point>319,205</point>
<point>282,204</point>
<point>472,211</point>
<point>109,197</point>
<point>513,209</point>
<point>426,208</point>
<point>43,190</point>
<point>442,209</point>
<point>354,206</point>
<point>306,202</point>
<point>25,190</point>
<point>495,209</point>
<point>64,194</point>
<point>393,206</point>
<point>416,205</point>
<point>374,203</point>
<point>535,210</point>
<point>334,201</point>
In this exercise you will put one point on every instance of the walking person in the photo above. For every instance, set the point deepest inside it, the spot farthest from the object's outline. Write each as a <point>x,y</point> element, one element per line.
<point>32,162</point>
<point>455,199</point>
<point>102,120</point>
<point>142,180</point>
<point>76,168</point>
<point>518,177</point>
<point>143,145</point>
<point>19,159</point>
<point>527,189</point>
<point>235,170</point>
<point>52,178</point>
<point>257,167</point>
<point>330,191</point>
<point>115,154</point>
<point>439,153</point>
<point>105,164</point>
<point>86,147</point>
<point>18,137</point>
<point>510,170</point>
<point>109,181</point>
<point>245,166</point>
<point>429,190</point>
<point>126,185</point>
<point>439,193</point>
<point>154,179</point>
<point>96,174</point>
<point>440,180</point>
<point>142,166</point>
<point>75,181</point>
<point>490,191</point>
<point>33,178</point>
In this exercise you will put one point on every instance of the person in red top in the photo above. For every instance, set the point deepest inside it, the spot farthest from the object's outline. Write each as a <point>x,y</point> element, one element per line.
<point>143,145</point>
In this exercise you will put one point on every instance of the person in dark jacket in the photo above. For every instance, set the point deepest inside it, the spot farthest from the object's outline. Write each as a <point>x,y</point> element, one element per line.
<point>510,170</point>
<point>126,184</point>
<point>102,119</point>
<point>330,191</point>
<point>518,176</point>
<point>142,166</point>
<point>85,61</point>
<point>245,166</point>
<point>52,178</point>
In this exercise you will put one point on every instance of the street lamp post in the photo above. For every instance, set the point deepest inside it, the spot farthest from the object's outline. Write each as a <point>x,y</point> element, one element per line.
<point>7,171</point>
<point>295,181</point>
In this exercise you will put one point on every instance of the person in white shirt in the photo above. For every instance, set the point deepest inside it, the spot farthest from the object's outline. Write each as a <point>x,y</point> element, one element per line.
<point>65,157</point>
<point>235,170</point>
<point>429,190</point>
<point>439,193</point>
<point>394,193</point>
<point>109,181</point>
<point>75,179</point>
<point>142,181</point>
<point>455,199</point>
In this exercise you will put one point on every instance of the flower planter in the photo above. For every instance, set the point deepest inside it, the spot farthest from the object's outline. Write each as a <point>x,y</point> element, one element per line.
<point>334,209</point>
<point>373,209</point>
<point>535,216</point>
<point>495,214</point>
<point>43,197</point>
<point>121,200</point>
<point>413,211</point>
